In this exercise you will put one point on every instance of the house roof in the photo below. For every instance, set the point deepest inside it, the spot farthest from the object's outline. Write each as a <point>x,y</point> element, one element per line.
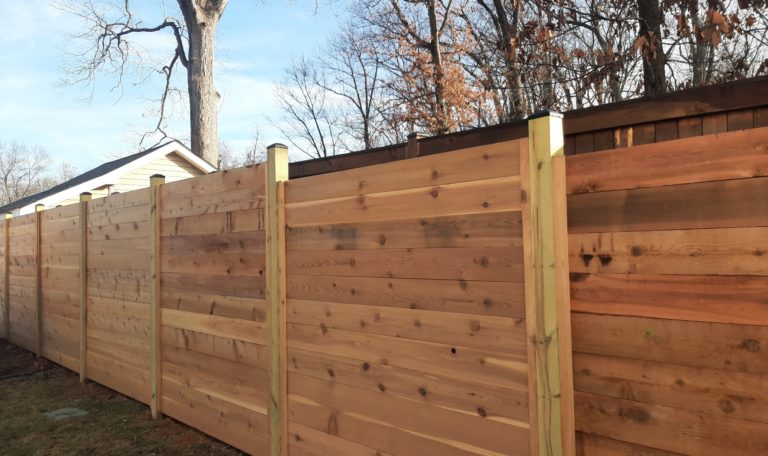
<point>93,178</point>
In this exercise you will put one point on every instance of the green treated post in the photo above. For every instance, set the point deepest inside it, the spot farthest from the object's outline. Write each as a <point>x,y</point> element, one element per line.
<point>84,198</point>
<point>547,289</point>
<point>276,176</point>
<point>155,369</point>
<point>7,276</point>
<point>39,208</point>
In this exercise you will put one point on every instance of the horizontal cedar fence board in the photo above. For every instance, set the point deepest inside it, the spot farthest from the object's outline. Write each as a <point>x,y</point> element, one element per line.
<point>733,155</point>
<point>497,403</point>
<point>216,347</point>
<point>724,251</point>
<point>223,222</point>
<point>704,390</point>
<point>475,365</point>
<point>503,299</point>
<point>475,230</point>
<point>394,421</point>
<point>485,196</point>
<point>721,204</point>
<point>478,163</point>
<point>667,428</point>
<point>688,343</point>
<point>483,332</point>
<point>716,299</point>
<point>594,445</point>
<point>488,264</point>
<point>305,441</point>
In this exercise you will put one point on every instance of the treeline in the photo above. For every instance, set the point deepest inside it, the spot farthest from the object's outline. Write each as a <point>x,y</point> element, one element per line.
<point>437,66</point>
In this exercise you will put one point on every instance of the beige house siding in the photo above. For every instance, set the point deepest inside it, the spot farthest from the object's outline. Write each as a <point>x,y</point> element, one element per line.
<point>172,166</point>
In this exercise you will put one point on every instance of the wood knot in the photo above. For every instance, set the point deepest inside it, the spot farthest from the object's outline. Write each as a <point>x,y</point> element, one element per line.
<point>635,414</point>
<point>751,345</point>
<point>726,406</point>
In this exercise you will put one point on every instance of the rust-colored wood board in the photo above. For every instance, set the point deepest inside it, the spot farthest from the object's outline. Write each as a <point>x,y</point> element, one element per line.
<point>740,120</point>
<point>714,123</point>
<point>643,134</point>
<point>603,140</point>
<point>668,428</point>
<point>712,391</point>
<point>594,445</point>
<point>721,204</point>
<point>688,127</point>
<point>716,299</point>
<point>716,251</point>
<point>736,348</point>
<point>760,117</point>
<point>666,130</point>
<point>683,161</point>
<point>584,142</point>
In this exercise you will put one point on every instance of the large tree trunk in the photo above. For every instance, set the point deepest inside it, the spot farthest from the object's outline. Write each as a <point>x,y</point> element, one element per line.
<point>654,61</point>
<point>441,108</point>
<point>201,25</point>
<point>513,71</point>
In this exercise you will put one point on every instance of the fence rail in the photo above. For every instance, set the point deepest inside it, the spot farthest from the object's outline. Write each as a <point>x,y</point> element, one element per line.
<point>424,306</point>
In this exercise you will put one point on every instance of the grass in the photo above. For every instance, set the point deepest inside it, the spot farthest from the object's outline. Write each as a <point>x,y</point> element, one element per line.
<point>115,425</point>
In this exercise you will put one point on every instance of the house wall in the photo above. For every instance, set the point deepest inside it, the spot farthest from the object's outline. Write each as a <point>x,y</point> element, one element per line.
<point>172,166</point>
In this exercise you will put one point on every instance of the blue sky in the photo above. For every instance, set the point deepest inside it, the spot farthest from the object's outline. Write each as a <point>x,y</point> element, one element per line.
<point>256,41</point>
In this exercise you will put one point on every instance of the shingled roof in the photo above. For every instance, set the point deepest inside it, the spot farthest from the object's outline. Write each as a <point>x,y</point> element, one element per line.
<point>91,175</point>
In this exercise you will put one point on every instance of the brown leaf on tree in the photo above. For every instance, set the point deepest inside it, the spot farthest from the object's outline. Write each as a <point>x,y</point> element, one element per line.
<point>639,44</point>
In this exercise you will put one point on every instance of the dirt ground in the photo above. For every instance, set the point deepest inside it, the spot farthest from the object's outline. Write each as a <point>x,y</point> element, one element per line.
<point>115,424</point>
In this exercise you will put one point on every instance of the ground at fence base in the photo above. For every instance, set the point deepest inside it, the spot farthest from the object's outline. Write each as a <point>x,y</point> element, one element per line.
<point>115,425</point>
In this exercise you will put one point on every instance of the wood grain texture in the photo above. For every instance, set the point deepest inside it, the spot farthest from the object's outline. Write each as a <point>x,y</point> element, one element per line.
<point>698,159</point>
<point>721,204</point>
<point>726,251</point>
<point>715,299</point>
<point>668,428</point>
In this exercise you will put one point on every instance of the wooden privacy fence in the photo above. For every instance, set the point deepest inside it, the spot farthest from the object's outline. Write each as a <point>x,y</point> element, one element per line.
<point>418,307</point>
<point>422,306</point>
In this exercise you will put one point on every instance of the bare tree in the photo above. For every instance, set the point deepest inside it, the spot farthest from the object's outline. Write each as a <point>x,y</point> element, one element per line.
<point>22,169</point>
<point>352,65</point>
<point>253,153</point>
<point>109,48</point>
<point>310,120</point>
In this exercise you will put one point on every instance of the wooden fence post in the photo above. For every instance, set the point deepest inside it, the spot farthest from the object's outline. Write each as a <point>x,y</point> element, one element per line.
<point>39,208</point>
<point>7,275</point>
<point>84,198</point>
<point>155,370</point>
<point>412,148</point>
<point>547,290</point>
<point>276,175</point>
